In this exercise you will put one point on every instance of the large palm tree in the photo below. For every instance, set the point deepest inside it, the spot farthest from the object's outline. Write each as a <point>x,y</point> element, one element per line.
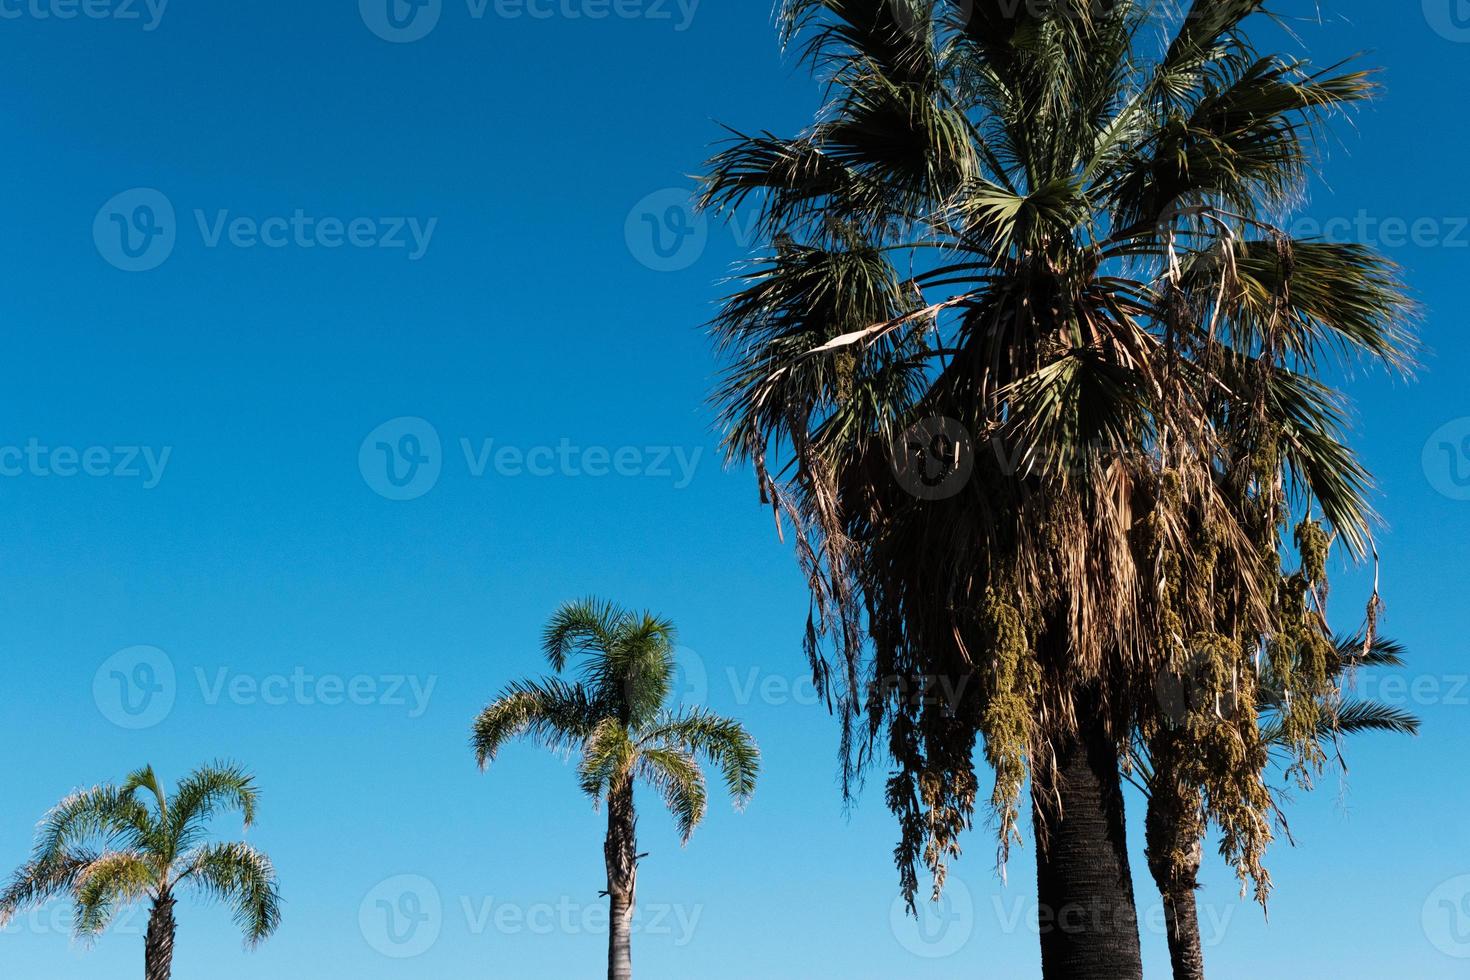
<point>112,846</point>
<point>1030,366</point>
<point>616,719</point>
<point>1177,817</point>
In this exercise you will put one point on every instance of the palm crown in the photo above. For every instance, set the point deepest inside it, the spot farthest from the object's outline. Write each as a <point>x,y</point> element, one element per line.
<point>1035,221</point>
<point>615,715</point>
<point>112,846</point>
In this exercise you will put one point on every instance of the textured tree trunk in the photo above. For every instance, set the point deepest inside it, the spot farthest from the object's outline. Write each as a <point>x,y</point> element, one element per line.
<point>1174,850</point>
<point>1088,920</point>
<point>621,853</point>
<point>158,945</point>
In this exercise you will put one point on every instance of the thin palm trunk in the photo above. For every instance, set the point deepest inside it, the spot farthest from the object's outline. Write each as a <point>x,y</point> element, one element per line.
<point>1174,855</point>
<point>1088,920</point>
<point>621,853</point>
<point>158,949</point>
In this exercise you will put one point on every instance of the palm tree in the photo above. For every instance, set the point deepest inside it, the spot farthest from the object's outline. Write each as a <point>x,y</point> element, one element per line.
<point>615,717</point>
<point>1030,367</point>
<point>1177,817</point>
<point>109,847</point>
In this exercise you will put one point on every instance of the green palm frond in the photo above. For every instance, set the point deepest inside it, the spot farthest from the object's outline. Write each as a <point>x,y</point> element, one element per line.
<point>242,878</point>
<point>115,879</point>
<point>589,626</point>
<point>204,793</point>
<point>39,881</point>
<point>554,713</point>
<point>608,758</point>
<point>677,779</point>
<point>723,741</point>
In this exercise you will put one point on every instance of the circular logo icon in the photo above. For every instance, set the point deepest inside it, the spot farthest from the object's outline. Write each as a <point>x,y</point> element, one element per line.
<point>401,459</point>
<point>401,21</point>
<point>1449,18</point>
<point>402,916</point>
<point>135,688</point>
<point>941,928</point>
<point>691,681</point>
<point>920,18</point>
<point>664,231</point>
<point>1446,459</point>
<point>933,459</point>
<point>136,230</point>
<point>1446,918</point>
<point>1187,689</point>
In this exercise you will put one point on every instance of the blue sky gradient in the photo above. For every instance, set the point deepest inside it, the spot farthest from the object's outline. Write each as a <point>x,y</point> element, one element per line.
<point>339,641</point>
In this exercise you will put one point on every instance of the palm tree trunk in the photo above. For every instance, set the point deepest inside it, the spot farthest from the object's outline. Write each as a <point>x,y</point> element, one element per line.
<point>621,853</point>
<point>1182,919</point>
<point>1088,920</point>
<point>1174,831</point>
<point>158,945</point>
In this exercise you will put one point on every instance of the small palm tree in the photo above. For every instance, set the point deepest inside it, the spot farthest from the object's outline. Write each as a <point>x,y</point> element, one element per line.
<point>1176,822</point>
<point>108,848</point>
<point>616,718</point>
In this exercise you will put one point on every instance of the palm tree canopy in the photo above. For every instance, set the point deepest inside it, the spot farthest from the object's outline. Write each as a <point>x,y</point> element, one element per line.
<point>1038,247</point>
<point>614,714</point>
<point>111,846</point>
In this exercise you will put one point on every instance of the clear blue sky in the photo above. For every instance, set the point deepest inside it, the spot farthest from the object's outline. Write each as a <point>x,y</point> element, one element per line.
<point>535,309</point>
